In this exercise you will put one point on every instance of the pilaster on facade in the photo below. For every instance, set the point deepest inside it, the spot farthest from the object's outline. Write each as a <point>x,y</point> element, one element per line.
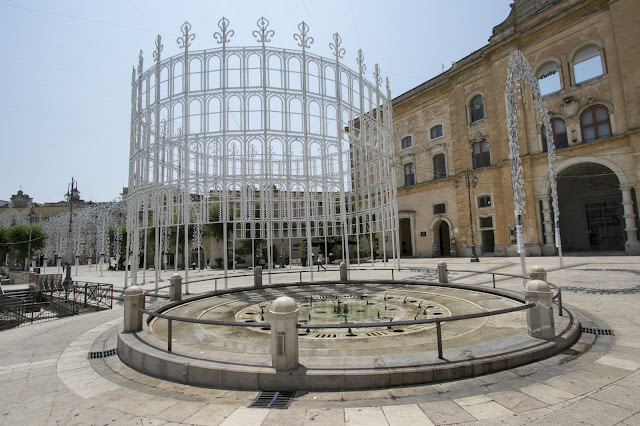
<point>632,245</point>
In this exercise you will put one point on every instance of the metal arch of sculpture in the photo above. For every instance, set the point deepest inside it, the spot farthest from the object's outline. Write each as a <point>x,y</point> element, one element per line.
<point>286,144</point>
<point>90,236</point>
<point>519,72</point>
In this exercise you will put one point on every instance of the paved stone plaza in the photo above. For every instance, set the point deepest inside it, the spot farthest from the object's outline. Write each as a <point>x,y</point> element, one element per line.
<point>47,378</point>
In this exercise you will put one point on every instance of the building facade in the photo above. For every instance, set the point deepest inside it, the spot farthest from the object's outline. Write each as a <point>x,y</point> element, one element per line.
<point>17,210</point>
<point>451,142</point>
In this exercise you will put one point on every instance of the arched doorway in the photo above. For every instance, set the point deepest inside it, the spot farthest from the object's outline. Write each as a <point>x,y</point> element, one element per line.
<point>442,238</point>
<point>591,212</point>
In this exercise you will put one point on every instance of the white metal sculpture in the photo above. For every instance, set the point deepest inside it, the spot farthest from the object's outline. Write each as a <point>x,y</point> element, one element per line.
<point>272,144</point>
<point>91,227</point>
<point>519,72</point>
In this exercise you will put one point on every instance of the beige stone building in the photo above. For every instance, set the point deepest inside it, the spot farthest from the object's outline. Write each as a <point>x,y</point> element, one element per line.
<point>452,150</point>
<point>17,210</point>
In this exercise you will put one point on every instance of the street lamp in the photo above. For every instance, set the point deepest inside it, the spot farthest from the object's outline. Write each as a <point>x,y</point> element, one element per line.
<point>29,245</point>
<point>71,195</point>
<point>470,183</point>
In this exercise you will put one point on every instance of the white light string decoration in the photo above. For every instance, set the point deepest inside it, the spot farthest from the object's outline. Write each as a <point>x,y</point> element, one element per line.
<point>519,73</point>
<point>269,144</point>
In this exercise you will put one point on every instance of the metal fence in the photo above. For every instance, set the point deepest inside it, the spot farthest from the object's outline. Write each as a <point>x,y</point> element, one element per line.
<point>18,308</point>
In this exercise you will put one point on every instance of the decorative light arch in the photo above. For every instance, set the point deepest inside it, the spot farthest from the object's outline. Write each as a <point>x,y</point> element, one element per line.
<point>519,73</point>
<point>269,137</point>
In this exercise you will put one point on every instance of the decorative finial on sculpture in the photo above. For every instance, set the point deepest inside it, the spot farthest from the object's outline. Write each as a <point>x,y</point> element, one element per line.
<point>159,47</point>
<point>304,39</point>
<point>338,51</point>
<point>376,75</point>
<point>361,65</point>
<point>224,36</point>
<point>140,60</point>
<point>185,41</point>
<point>262,34</point>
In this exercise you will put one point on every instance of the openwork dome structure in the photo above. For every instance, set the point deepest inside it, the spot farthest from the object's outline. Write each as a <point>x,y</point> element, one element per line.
<point>264,143</point>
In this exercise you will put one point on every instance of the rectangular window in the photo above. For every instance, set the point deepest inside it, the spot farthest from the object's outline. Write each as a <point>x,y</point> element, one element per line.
<point>407,142</point>
<point>481,155</point>
<point>436,131</point>
<point>440,208</point>
<point>439,167</point>
<point>409,174</point>
<point>486,222</point>
<point>484,201</point>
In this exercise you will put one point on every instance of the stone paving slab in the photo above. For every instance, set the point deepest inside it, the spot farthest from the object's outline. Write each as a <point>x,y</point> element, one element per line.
<point>45,377</point>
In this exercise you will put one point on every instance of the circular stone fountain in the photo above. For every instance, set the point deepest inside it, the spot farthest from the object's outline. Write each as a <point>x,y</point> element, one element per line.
<point>341,358</point>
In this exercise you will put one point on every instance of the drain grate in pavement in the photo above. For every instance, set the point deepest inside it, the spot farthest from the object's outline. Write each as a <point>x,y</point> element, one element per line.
<point>102,354</point>
<point>273,399</point>
<point>597,331</point>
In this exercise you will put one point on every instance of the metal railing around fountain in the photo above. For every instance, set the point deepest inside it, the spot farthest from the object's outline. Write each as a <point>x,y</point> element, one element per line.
<point>350,326</point>
<point>556,298</point>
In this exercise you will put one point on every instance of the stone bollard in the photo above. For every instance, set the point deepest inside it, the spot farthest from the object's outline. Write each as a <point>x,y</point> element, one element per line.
<point>134,295</point>
<point>284,333</point>
<point>257,277</point>
<point>538,273</point>
<point>175,290</point>
<point>343,272</point>
<point>540,318</point>
<point>443,276</point>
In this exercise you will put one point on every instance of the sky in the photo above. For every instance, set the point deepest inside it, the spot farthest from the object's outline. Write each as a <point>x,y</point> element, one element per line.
<point>65,68</point>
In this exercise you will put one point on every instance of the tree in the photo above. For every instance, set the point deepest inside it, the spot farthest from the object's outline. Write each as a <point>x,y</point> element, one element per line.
<point>302,250</point>
<point>337,251</point>
<point>215,229</point>
<point>4,248</point>
<point>17,238</point>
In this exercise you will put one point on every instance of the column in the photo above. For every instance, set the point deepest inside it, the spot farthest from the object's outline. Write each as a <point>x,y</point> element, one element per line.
<point>548,249</point>
<point>632,245</point>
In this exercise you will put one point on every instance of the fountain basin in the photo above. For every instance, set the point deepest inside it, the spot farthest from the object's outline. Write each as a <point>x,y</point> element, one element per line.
<point>330,359</point>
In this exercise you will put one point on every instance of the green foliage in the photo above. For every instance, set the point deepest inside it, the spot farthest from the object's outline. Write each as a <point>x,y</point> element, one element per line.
<point>302,249</point>
<point>17,240</point>
<point>244,247</point>
<point>4,248</point>
<point>337,251</point>
<point>216,229</point>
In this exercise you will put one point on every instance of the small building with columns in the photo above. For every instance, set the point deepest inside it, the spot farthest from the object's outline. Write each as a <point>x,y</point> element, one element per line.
<point>451,144</point>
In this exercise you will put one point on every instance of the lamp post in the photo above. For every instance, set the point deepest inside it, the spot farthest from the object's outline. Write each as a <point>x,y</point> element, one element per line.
<point>470,183</point>
<point>71,195</point>
<point>29,245</point>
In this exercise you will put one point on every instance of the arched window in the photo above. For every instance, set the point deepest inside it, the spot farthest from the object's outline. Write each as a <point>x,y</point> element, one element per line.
<point>587,63</point>
<point>595,123</point>
<point>548,76</point>
<point>409,174</point>
<point>559,131</point>
<point>406,142</point>
<point>436,132</point>
<point>439,167</point>
<point>480,155</point>
<point>476,107</point>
